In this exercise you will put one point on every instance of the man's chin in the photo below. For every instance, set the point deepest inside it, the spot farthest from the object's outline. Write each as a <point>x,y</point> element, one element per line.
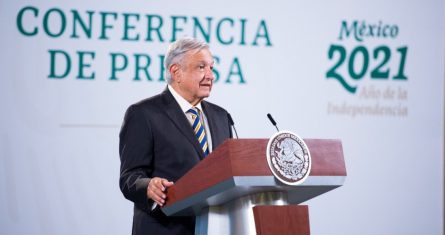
<point>205,91</point>
<point>204,94</point>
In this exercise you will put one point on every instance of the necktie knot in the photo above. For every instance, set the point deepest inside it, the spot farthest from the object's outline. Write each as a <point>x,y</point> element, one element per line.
<point>193,111</point>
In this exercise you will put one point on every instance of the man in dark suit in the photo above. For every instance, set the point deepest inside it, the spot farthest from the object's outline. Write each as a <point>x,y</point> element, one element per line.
<point>164,136</point>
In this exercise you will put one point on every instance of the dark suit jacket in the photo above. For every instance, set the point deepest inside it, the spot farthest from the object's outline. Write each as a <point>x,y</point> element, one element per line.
<point>157,140</point>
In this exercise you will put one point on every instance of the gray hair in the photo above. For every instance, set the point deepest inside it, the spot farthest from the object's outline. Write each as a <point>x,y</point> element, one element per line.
<point>177,50</point>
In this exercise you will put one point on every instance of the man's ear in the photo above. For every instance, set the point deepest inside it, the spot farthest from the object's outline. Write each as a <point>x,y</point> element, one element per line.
<point>175,71</point>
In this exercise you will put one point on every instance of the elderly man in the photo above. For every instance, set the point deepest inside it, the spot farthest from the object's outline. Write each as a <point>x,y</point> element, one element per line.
<point>164,136</point>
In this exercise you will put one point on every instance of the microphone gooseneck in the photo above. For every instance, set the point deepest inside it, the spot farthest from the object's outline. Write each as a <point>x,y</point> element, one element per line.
<point>272,121</point>
<point>232,124</point>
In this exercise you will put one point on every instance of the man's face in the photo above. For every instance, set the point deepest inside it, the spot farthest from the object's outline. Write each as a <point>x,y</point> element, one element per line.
<point>195,76</point>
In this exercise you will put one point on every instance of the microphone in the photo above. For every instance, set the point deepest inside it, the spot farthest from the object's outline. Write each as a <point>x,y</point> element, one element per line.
<point>272,121</point>
<point>232,124</point>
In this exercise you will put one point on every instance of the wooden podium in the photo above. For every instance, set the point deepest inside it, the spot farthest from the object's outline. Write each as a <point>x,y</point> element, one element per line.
<point>233,191</point>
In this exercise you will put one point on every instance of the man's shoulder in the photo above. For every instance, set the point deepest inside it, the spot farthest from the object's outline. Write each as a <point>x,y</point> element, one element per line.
<point>153,101</point>
<point>150,101</point>
<point>148,104</point>
<point>213,107</point>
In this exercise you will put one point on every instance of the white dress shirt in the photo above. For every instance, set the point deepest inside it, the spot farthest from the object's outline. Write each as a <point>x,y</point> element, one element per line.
<point>185,106</point>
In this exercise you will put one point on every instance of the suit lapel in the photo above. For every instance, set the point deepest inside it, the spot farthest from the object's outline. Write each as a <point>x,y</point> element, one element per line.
<point>211,117</point>
<point>175,114</point>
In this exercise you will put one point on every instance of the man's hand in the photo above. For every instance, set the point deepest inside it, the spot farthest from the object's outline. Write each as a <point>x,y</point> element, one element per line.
<point>156,189</point>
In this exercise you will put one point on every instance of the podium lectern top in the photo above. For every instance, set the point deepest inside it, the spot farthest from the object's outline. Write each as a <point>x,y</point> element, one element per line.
<point>239,167</point>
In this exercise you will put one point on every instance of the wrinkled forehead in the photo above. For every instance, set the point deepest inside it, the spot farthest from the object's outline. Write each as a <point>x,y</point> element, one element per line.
<point>200,55</point>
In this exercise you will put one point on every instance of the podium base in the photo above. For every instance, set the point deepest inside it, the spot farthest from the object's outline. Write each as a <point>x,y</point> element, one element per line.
<point>283,220</point>
<point>236,217</point>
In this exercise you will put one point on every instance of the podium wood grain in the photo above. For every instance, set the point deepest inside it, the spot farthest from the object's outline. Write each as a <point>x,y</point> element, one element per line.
<point>247,157</point>
<point>283,220</point>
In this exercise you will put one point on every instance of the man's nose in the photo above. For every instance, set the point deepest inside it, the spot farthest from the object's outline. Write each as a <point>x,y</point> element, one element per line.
<point>209,74</point>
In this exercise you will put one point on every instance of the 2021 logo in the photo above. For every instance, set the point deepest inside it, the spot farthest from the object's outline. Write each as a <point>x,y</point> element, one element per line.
<point>375,62</point>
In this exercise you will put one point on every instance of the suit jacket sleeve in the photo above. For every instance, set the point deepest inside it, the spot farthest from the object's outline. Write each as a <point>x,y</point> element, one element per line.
<point>135,149</point>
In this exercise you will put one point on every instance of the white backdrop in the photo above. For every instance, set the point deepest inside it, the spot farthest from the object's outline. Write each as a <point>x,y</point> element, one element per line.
<point>59,163</point>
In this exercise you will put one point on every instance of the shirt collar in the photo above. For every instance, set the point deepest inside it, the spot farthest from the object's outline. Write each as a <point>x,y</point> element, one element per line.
<point>183,103</point>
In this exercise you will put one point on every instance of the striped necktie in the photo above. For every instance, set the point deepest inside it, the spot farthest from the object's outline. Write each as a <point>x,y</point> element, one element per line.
<point>198,128</point>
